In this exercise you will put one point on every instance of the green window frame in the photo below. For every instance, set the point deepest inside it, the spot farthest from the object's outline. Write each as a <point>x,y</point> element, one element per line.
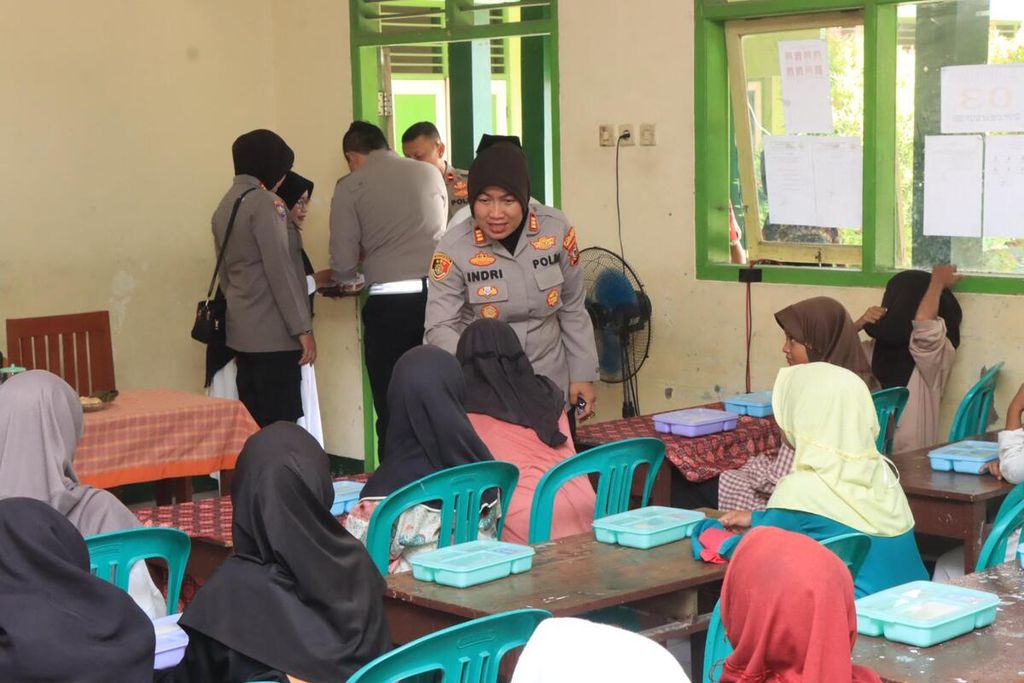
<point>714,145</point>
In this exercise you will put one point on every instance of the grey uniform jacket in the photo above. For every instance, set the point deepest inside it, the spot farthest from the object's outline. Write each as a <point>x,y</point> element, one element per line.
<point>392,209</point>
<point>538,291</point>
<point>261,276</point>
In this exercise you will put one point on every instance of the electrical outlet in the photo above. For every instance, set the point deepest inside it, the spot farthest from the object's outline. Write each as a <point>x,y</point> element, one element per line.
<point>606,135</point>
<point>630,139</point>
<point>647,138</point>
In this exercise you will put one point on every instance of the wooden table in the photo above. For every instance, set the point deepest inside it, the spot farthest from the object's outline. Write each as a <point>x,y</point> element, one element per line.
<point>158,434</point>
<point>988,654</point>
<point>570,576</point>
<point>950,504</point>
<point>698,458</point>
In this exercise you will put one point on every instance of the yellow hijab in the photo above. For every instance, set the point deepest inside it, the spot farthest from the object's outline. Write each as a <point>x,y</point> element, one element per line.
<point>828,417</point>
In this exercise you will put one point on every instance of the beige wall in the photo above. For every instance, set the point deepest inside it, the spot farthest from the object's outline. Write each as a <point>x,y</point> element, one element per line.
<point>118,121</point>
<point>698,352</point>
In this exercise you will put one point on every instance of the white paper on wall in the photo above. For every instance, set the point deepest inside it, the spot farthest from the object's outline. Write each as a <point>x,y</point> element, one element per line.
<point>953,185</point>
<point>982,98</point>
<point>806,86</point>
<point>814,181</point>
<point>1004,186</point>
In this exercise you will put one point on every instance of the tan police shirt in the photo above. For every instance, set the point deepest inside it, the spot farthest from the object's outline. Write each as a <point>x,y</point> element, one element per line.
<point>392,210</point>
<point>538,290</point>
<point>456,181</point>
<point>261,277</point>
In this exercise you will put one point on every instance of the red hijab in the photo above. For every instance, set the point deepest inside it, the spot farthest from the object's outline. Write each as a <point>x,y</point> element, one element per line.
<point>787,607</point>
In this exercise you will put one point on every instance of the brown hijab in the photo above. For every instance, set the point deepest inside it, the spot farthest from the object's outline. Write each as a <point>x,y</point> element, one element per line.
<point>826,329</point>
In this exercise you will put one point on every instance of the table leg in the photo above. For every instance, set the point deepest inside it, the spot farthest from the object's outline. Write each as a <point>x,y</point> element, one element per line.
<point>225,482</point>
<point>975,537</point>
<point>169,491</point>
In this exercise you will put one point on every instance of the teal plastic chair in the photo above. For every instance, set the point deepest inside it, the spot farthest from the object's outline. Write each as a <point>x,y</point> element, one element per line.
<point>851,548</point>
<point>467,653</point>
<point>459,490</point>
<point>616,463</point>
<point>972,414</point>
<point>994,550</point>
<point>889,405</point>
<point>113,554</point>
<point>717,648</point>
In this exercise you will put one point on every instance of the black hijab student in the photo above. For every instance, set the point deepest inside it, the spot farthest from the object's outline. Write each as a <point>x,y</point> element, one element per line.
<point>428,431</point>
<point>915,343</point>
<point>58,622</point>
<point>299,595</point>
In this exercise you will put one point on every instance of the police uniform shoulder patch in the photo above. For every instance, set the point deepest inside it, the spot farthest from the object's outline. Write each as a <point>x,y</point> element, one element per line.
<point>543,243</point>
<point>553,297</point>
<point>281,209</point>
<point>481,259</point>
<point>571,247</point>
<point>440,266</point>
<point>478,236</point>
<point>489,311</point>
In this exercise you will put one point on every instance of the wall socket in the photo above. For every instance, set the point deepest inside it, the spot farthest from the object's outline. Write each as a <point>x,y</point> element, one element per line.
<point>627,128</point>
<point>606,135</point>
<point>647,138</point>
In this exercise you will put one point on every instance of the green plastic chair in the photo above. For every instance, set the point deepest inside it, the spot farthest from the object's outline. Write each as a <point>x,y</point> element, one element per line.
<point>889,405</point>
<point>717,648</point>
<point>113,554</point>
<point>467,653</point>
<point>994,550</point>
<point>616,463</point>
<point>852,549</point>
<point>460,491</point>
<point>972,414</point>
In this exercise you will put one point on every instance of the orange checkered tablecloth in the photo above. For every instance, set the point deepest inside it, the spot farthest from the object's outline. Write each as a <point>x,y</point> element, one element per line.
<point>156,434</point>
<point>699,458</point>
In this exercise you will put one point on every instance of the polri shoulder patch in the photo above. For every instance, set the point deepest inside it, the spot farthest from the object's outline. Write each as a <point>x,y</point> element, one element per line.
<point>281,209</point>
<point>440,266</point>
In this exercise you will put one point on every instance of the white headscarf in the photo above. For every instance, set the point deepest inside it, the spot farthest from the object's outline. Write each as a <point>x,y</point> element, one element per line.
<point>579,650</point>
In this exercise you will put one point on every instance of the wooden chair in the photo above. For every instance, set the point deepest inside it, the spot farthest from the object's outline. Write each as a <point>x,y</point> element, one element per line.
<point>76,347</point>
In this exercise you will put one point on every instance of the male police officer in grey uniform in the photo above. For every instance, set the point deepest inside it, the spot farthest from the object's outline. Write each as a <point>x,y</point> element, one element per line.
<point>422,142</point>
<point>387,213</point>
<point>519,263</point>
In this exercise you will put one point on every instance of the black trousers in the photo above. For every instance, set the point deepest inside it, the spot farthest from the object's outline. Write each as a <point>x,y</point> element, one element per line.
<point>392,324</point>
<point>691,495</point>
<point>269,384</point>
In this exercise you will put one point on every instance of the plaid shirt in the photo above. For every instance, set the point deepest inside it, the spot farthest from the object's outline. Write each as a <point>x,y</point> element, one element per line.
<point>750,486</point>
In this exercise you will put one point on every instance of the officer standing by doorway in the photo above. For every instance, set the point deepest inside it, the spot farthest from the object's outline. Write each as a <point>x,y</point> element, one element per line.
<point>422,142</point>
<point>387,215</point>
<point>519,262</point>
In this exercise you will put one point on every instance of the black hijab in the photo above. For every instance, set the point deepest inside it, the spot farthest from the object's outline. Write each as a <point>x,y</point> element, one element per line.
<point>262,154</point>
<point>500,381</point>
<point>428,430</point>
<point>293,188</point>
<point>58,622</point>
<point>891,361</point>
<point>299,593</point>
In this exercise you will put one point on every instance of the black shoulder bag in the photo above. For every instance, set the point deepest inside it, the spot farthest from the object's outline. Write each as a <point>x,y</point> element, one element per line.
<point>211,312</point>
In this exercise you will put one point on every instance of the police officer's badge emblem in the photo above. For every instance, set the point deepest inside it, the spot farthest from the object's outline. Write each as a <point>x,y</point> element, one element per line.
<point>481,259</point>
<point>440,266</point>
<point>489,311</point>
<point>543,242</point>
<point>487,291</point>
<point>553,298</point>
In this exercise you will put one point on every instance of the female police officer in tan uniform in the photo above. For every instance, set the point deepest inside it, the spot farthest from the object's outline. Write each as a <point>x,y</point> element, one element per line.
<point>519,263</point>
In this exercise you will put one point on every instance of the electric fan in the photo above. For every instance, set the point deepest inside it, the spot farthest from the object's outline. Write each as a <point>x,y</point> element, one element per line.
<point>621,313</point>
